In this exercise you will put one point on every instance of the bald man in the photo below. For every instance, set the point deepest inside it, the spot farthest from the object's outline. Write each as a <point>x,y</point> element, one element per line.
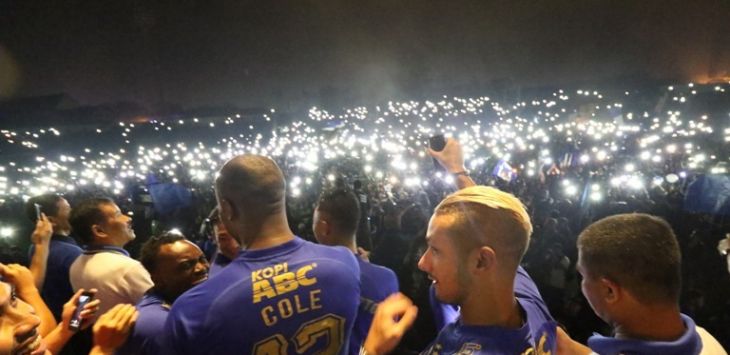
<point>281,294</point>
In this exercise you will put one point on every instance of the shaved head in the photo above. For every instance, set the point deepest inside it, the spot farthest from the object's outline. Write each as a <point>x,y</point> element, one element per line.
<point>251,194</point>
<point>252,184</point>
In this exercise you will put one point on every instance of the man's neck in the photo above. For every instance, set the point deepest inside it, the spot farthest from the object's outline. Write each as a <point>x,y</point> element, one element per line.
<point>654,324</point>
<point>166,297</point>
<point>266,234</point>
<point>347,242</point>
<point>495,307</point>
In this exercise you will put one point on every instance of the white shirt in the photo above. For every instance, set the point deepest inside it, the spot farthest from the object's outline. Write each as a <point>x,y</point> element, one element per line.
<point>117,277</point>
<point>710,345</point>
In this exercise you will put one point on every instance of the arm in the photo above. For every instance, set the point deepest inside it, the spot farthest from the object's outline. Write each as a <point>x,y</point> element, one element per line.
<point>41,239</point>
<point>392,319</point>
<point>452,159</point>
<point>58,338</point>
<point>112,329</point>
<point>568,346</point>
<point>25,287</point>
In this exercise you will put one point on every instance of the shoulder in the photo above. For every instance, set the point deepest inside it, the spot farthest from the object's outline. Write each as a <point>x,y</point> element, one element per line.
<point>335,256</point>
<point>710,345</point>
<point>376,273</point>
<point>525,287</point>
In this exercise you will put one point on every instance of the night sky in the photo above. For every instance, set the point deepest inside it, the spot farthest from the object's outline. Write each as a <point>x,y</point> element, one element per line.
<point>252,53</point>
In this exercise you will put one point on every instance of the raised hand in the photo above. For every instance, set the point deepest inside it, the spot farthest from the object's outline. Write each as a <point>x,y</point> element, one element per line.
<point>393,317</point>
<point>112,328</point>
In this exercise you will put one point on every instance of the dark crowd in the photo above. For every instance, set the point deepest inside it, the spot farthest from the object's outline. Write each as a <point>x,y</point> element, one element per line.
<point>563,195</point>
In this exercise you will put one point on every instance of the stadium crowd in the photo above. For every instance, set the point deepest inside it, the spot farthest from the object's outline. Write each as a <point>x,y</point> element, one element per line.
<point>364,181</point>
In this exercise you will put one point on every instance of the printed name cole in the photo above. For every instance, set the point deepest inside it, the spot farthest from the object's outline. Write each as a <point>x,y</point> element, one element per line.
<point>274,281</point>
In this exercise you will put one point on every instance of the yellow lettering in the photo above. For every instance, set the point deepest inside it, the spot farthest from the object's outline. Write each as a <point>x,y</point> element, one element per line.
<point>256,275</point>
<point>285,308</point>
<point>267,272</point>
<point>313,299</point>
<point>278,268</point>
<point>302,276</point>
<point>298,304</point>
<point>262,289</point>
<point>269,320</point>
<point>285,282</point>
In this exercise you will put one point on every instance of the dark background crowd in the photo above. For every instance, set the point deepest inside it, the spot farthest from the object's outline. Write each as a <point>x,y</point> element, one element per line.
<point>395,214</point>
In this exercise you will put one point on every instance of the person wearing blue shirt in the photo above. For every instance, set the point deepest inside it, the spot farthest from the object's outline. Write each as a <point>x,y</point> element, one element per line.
<point>227,248</point>
<point>335,223</point>
<point>175,265</point>
<point>631,269</point>
<point>51,272</point>
<point>476,239</point>
<point>281,295</point>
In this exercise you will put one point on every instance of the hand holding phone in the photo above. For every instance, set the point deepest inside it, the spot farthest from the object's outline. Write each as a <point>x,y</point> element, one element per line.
<point>437,143</point>
<point>37,211</point>
<point>84,299</point>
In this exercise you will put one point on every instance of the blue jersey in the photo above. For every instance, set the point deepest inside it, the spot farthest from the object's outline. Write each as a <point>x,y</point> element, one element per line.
<point>688,344</point>
<point>294,298</point>
<point>376,284</point>
<point>149,327</point>
<point>536,336</point>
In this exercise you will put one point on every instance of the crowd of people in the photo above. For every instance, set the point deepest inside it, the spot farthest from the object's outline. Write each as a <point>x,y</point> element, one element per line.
<point>488,268</point>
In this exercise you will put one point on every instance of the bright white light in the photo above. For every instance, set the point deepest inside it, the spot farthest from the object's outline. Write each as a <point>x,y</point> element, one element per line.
<point>672,178</point>
<point>635,183</point>
<point>596,196</point>
<point>671,148</point>
<point>6,232</point>
<point>629,168</point>
<point>175,231</point>
<point>571,190</point>
<point>331,177</point>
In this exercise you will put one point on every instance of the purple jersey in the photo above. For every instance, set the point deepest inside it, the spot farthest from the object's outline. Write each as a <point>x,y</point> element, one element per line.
<point>376,284</point>
<point>147,332</point>
<point>536,336</point>
<point>294,298</point>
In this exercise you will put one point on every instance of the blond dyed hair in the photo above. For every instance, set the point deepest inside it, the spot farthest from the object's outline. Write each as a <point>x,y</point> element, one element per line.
<point>485,216</point>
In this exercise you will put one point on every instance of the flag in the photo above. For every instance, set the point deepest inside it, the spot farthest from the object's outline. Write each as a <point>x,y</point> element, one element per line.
<point>709,194</point>
<point>503,171</point>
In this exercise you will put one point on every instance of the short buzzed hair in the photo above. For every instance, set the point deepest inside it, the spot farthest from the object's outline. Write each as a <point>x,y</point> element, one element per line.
<point>85,215</point>
<point>343,207</point>
<point>638,251</point>
<point>151,249</point>
<point>253,182</point>
<point>47,202</point>
<point>485,216</point>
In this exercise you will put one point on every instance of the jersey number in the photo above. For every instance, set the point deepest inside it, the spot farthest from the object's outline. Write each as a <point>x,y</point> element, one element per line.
<point>329,326</point>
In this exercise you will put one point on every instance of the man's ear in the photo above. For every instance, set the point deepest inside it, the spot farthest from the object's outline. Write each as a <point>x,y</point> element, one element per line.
<point>227,210</point>
<point>610,290</point>
<point>53,220</point>
<point>325,227</point>
<point>486,258</point>
<point>98,231</point>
